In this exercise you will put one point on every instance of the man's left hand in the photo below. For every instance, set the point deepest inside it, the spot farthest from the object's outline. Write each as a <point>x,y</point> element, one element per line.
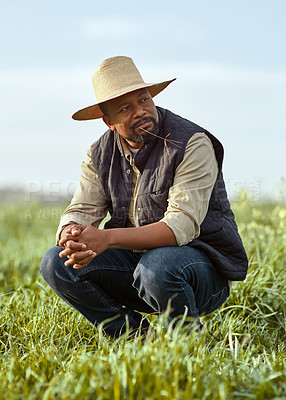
<point>82,243</point>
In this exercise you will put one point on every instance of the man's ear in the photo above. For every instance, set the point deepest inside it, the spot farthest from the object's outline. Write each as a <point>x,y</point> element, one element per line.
<point>108,122</point>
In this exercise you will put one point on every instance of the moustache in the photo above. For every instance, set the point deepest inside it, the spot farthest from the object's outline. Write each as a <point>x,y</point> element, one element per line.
<point>142,120</point>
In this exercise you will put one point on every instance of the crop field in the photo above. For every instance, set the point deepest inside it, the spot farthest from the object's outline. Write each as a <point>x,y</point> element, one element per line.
<point>49,351</point>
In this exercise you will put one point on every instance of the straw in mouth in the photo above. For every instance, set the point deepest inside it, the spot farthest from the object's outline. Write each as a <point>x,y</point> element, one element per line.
<point>173,142</point>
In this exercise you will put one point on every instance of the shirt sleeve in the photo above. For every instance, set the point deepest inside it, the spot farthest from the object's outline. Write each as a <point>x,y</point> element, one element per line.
<point>88,205</point>
<point>193,183</point>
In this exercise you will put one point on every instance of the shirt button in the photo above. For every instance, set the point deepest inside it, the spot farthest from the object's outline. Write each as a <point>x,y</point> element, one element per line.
<point>123,208</point>
<point>139,209</point>
<point>128,171</point>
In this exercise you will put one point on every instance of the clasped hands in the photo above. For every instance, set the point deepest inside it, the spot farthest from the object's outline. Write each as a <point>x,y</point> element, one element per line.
<point>81,244</point>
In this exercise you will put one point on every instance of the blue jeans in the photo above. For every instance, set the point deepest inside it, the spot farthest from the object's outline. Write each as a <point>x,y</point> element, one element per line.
<point>119,284</point>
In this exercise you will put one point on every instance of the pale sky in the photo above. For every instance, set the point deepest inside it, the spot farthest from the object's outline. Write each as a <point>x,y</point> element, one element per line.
<point>229,59</point>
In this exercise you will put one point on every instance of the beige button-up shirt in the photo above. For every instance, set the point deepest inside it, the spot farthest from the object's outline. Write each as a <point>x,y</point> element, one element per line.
<point>188,198</point>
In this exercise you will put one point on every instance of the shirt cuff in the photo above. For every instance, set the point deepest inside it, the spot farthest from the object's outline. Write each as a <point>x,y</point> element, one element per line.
<point>184,229</point>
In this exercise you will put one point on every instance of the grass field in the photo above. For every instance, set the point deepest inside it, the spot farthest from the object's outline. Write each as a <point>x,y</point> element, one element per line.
<point>48,351</point>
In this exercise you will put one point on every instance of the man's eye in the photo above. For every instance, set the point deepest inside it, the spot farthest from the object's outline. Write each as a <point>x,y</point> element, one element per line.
<point>126,108</point>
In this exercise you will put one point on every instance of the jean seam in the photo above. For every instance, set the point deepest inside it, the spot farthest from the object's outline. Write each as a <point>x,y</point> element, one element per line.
<point>183,283</point>
<point>100,268</point>
<point>118,310</point>
<point>213,295</point>
<point>90,286</point>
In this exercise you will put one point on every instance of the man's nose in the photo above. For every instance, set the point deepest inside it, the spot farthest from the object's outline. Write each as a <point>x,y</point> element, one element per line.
<point>138,111</point>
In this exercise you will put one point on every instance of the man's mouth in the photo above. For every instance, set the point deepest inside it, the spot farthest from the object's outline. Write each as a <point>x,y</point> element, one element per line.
<point>143,124</point>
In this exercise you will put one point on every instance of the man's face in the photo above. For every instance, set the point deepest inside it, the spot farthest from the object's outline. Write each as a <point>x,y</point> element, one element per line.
<point>129,113</point>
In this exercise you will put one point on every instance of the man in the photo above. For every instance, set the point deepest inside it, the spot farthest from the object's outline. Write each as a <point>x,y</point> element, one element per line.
<point>171,237</point>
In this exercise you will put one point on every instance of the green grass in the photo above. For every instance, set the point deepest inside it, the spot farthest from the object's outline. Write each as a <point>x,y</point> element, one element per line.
<point>48,351</point>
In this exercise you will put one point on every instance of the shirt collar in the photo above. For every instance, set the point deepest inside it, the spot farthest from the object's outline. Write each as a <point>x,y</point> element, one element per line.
<point>127,153</point>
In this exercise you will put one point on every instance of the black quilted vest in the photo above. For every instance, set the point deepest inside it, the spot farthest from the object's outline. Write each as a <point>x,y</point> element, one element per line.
<point>218,238</point>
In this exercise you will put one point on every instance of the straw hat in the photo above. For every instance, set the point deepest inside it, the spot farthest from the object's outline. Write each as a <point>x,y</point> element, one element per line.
<point>115,77</point>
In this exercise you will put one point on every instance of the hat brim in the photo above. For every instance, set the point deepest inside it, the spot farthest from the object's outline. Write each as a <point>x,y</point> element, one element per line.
<point>94,111</point>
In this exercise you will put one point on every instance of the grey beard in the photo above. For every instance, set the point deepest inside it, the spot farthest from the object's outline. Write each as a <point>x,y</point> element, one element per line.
<point>136,138</point>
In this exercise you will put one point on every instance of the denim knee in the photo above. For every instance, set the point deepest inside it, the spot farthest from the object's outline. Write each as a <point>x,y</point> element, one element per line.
<point>182,275</point>
<point>154,280</point>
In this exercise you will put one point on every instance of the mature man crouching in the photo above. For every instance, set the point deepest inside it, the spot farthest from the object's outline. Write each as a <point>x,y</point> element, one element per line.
<point>171,237</point>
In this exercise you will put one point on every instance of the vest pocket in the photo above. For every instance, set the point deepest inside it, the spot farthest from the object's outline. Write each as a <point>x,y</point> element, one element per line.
<point>152,206</point>
<point>160,198</point>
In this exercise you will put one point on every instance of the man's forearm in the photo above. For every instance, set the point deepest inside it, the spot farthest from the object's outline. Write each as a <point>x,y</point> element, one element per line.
<point>145,237</point>
<point>83,242</point>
